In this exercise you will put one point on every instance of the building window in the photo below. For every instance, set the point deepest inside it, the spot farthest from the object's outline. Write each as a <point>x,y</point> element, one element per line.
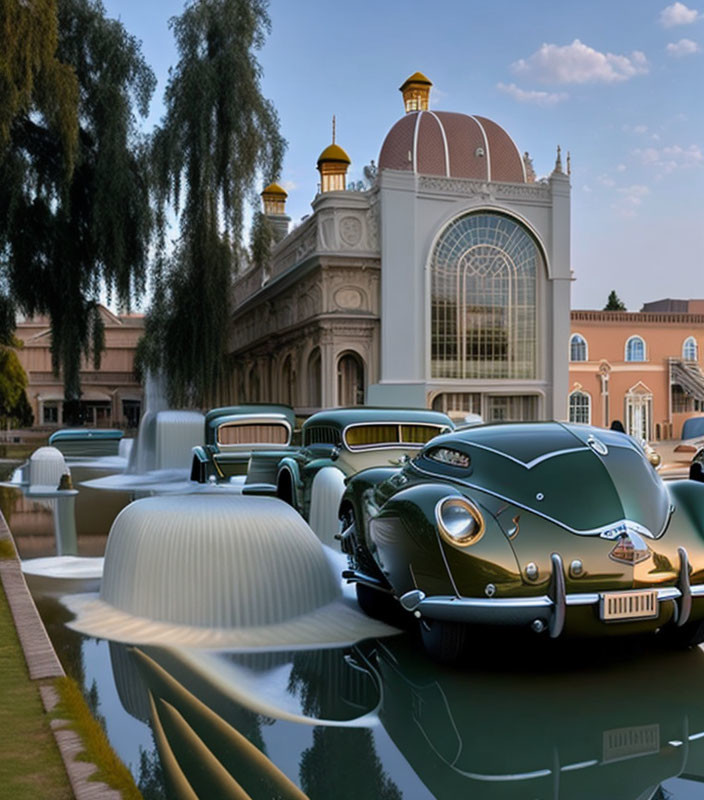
<point>314,379</point>
<point>689,349</point>
<point>635,349</point>
<point>50,414</point>
<point>580,408</point>
<point>131,410</point>
<point>510,408</point>
<point>458,403</point>
<point>350,380</point>
<point>484,270</point>
<point>578,348</point>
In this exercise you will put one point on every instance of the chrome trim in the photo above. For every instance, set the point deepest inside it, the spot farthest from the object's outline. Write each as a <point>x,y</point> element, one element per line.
<point>685,605</point>
<point>534,462</point>
<point>557,595</point>
<point>521,610</point>
<point>513,502</point>
<point>391,445</point>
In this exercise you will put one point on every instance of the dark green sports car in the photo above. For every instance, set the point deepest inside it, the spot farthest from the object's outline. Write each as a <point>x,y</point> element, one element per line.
<point>563,529</point>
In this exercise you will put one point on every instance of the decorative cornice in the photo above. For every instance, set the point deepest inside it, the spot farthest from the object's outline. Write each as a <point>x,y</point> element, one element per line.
<point>484,189</point>
<point>641,317</point>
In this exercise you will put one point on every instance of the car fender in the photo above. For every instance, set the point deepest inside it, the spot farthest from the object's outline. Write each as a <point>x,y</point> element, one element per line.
<point>289,468</point>
<point>201,466</point>
<point>407,546</point>
<point>327,488</point>
<point>357,494</point>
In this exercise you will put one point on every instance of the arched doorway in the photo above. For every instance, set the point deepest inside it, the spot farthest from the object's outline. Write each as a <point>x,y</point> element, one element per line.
<point>350,380</point>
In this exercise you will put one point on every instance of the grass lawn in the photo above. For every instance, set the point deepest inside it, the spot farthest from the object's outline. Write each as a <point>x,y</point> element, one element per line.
<point>30,764</point>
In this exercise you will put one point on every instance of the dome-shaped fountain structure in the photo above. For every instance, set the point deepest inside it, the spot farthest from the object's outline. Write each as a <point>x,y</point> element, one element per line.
<point>46,466</point>
<point>237,572</point>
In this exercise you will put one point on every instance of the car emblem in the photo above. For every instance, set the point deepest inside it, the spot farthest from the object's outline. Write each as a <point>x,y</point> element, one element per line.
<point>597,446</point>
<point>630,549</point>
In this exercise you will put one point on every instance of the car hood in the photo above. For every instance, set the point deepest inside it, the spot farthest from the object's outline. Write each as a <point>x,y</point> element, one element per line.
<point>583,478</point>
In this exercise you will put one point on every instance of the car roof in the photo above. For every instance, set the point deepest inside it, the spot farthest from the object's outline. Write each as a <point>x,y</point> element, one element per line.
<point>81,434</point>
<point>342,417</point>
<point>216,415</point>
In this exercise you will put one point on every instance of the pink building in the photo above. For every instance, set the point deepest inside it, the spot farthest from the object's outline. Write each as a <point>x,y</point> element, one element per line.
<point>112,396</point>
<point>642,368</point>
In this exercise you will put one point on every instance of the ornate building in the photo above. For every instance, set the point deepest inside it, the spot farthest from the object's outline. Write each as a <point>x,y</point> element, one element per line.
<point>445,285</point>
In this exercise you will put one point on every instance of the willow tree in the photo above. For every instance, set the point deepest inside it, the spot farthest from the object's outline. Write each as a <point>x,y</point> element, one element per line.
<point>66,235</point>
<point>219,138</point>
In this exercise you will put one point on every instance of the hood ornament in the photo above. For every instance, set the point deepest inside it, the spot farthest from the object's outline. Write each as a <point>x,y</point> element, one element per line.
<point>597,445</point>
<point>630,548</point>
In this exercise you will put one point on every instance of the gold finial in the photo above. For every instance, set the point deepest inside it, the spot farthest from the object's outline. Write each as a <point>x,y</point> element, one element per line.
<point>65,482</point>
<point>333,129</point>
<point>569,163</point>
<point>558,160</point>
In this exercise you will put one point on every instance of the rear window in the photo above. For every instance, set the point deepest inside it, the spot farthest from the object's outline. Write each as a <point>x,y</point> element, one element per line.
<point>358,437</point>
<point>253,433</point>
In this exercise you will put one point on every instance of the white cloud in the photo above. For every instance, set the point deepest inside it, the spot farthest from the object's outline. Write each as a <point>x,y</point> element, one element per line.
<point>685,47</point>
<point>544,99</point>
<point>289,186</point>
<point>668,159</point>
<point>631,198</point>
<point>579,63</point>
<point>605,180</point>
<point>678,14</point>
<point>621,168</point>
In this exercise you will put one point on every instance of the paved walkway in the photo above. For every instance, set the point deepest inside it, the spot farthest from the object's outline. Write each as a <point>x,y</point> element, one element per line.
<point>44,665</point>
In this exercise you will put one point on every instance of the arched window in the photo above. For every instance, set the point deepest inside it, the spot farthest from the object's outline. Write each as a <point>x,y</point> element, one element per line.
<point>635,349</point>
<point>287,382</point>
<point>314,379</point>
<point>578,347</point>
<point>484,269</point>
<point>350,380</point>
<point>580,407</point>
<point>689,349</point>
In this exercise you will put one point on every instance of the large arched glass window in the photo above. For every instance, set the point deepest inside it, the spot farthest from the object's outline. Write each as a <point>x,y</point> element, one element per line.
<point>578,347</point>
<point>689,349</point>
<point>635,349</point>
<point>580,407</point>
<point>484,269</point>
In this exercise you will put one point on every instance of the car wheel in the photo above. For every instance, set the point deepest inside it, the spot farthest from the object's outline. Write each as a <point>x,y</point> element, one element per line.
<point>443,641</point>
<point>689,635</point>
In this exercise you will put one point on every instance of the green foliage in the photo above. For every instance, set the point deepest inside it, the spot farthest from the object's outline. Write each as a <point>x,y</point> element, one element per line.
<point>73,708</point>
<point>14,406</point>
<point>218,139</point>
<point>32,79</point>
<point>614,303</point>
<point>65,236</point>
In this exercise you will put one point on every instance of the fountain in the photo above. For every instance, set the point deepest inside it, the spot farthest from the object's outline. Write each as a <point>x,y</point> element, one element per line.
<point>245,573</point>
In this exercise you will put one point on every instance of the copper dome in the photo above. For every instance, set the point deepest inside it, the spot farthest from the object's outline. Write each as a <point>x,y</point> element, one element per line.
<point>452,145</point>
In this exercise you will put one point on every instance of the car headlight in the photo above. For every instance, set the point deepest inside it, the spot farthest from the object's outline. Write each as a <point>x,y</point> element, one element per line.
<point>459,522</point>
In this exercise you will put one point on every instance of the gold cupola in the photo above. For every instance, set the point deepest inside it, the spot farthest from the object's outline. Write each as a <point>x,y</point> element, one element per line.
<point>332,165</point>
<point>274,201</point>
<point>416,92</point>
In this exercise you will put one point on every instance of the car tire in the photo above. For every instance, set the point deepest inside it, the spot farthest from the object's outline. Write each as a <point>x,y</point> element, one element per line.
<point>689,635</point>
<point>443,641</point>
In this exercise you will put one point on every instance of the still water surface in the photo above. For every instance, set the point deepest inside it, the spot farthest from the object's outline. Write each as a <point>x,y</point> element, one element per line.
<point>379,720</point>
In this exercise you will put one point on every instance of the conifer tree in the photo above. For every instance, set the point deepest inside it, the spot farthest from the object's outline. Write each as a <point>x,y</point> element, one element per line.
<point>614,303</point>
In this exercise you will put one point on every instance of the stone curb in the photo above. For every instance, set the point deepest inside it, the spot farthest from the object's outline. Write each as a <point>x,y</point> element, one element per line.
<point>43,664</point>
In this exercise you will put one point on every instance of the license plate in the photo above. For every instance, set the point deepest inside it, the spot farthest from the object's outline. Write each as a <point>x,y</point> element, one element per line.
<point>619,606</point>
<point>628,742</point>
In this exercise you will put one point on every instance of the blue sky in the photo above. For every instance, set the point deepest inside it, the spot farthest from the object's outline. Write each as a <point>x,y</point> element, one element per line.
<point>618,84</point>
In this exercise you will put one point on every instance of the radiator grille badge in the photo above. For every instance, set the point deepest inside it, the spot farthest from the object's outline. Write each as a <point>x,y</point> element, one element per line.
<point>630,549</point>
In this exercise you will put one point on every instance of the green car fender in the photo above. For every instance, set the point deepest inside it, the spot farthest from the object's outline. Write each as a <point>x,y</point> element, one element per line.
<point>407,545</point>
<point>288,482</point>
<point>687,523</point>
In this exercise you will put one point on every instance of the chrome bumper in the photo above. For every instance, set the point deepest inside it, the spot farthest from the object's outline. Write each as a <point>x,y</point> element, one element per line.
<point>550,608</point>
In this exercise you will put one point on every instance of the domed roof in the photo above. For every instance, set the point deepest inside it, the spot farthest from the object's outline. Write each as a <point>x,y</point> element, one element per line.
<point>452,145</point>
<point>275,189</point>
<point>333,152</point>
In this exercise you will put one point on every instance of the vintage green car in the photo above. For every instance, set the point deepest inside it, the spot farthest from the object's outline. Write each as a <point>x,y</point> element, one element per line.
<point>336,444</point>
<point>561,528</point>
<point>233,433</point>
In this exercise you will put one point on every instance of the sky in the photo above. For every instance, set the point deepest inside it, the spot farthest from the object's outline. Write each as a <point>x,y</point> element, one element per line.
<point>617,83</point>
